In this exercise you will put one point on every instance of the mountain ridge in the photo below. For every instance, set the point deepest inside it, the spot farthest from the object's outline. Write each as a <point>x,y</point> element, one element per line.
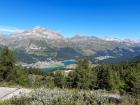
<point>40,42</point>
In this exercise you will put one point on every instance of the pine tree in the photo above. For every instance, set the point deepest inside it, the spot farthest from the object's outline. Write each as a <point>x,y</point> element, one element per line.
<point>60,80</point>
<point>103,78</point>
<point>93,78</point>
<point>7,63</point>
<point>82,76</point>
<point>137,85</point>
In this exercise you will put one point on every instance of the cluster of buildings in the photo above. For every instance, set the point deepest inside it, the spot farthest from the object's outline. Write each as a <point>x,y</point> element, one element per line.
<point>38,64</point>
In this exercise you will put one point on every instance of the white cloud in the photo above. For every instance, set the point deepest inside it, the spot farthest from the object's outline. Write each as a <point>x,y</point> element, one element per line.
<point>7,29</point>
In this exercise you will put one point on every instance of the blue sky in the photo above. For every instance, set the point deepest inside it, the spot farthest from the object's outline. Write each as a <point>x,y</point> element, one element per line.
<point>112,18</point>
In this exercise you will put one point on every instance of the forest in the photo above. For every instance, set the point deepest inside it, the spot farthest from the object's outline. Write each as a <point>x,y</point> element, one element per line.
<point>123,78</point>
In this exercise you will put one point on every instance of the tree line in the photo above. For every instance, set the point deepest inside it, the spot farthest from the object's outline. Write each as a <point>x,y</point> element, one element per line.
<point>124,78</point>
<point>12,73</point>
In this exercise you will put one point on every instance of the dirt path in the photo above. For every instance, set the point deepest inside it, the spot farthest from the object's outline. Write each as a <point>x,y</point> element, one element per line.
<point>7,93</point>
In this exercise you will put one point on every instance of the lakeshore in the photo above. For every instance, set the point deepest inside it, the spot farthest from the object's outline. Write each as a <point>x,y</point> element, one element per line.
<point>51,65</point>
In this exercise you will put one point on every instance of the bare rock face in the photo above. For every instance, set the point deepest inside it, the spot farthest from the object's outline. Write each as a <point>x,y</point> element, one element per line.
<point>38,32</point>
<point>117,99</point>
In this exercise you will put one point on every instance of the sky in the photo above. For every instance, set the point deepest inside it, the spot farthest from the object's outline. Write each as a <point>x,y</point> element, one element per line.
<point>101,18</point>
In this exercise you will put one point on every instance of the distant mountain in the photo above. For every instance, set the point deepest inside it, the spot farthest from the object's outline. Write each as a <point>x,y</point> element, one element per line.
<point>38,44</point>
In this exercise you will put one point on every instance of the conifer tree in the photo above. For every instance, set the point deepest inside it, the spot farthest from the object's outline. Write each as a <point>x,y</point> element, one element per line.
<point>59,79</point>
<point>7,63</point>
<point>82,77</point>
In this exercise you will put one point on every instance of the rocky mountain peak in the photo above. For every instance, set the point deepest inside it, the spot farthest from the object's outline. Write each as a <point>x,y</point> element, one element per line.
<point>38,32</point>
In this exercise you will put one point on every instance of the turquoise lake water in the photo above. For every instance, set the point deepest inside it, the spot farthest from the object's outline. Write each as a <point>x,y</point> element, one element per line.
<point>66,63</point>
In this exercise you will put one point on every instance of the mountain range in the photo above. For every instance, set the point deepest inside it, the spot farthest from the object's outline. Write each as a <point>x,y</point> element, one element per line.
<point>40,44</point>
